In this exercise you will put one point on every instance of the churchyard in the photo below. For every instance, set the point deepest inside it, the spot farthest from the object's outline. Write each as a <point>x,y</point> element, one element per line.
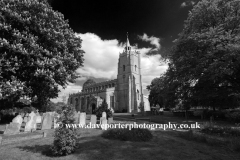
<point>33,140</point>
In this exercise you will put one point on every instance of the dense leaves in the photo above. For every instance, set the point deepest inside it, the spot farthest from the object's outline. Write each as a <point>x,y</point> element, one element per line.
<point>124,134</point>
<point>205,58</point>
<point>206,55</point>
<point>163,90</point>
<point>103,108</point>
<point>65,139</point>
<point>39,51</point>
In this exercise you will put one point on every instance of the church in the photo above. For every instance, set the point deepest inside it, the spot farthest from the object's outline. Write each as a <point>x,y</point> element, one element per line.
<point>124,94</point>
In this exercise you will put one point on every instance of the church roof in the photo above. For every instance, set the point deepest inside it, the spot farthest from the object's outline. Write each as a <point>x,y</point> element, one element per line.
<point>88,82</point>
<point>128,46</point>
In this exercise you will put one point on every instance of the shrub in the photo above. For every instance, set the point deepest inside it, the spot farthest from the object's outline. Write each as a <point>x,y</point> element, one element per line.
<point>103,108</point>
<point>28,109</point>
<point>8,114</point>
<point>215,114</point>
<point>135,134</point>
<point>234,116</point>
<point>221,131</point>
<point>234,144</point>
<point>65,139</point>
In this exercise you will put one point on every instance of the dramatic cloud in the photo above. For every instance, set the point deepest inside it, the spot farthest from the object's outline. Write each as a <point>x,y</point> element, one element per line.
<point>101,56</point>
<point>71,88</point>
<point>101,60</point>
<point>187,3</point>
<point>153,40</point>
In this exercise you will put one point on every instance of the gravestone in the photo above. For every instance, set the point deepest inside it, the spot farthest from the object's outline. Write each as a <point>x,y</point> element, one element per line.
<point>55,124</point>
<point>93,119</point>
<point>12,128</point>
<point>101,119</point>
<point>18,119</point>
<point>76,117</point>
<point>55,120</point>
<point>25,120</point>
<point>104,124</point>
<point>31,123</point>
<point>110,120</point>
<point>104,114</point>
<point>38,122</point>
<point>38,119</point>
<point>47,121</point>
<point>82,118</point>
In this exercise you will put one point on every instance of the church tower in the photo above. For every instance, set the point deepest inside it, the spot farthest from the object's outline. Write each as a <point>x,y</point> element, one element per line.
<point>129,80</point>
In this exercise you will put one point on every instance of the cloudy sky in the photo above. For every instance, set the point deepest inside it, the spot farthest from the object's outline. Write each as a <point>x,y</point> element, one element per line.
<point>152,25</point>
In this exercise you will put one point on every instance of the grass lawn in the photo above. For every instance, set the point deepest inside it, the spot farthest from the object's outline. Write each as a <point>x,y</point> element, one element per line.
<point>168,117</point>
<point>165,145</point>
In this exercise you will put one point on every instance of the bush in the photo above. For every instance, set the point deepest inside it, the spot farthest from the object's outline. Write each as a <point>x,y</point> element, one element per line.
<point>221,131</point>
<point>65,139</point>
<point>103,108</point>
<point>234,144</point>
<point>215,114</point>
<point>135,134</point>
<point>28,110</point>
<point>7,115</point>
<point>234,116</point>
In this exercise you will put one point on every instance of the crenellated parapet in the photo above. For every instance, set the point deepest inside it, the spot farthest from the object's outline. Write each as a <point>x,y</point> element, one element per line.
<point>95,88</point>
<point>99,87</point>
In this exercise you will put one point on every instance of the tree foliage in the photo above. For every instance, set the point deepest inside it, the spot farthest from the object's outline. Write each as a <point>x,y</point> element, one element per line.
<point>39,51</point>
<point>65,139</point>
<point>163,90</point>
<point>205,57</point>
<point>103,108</point>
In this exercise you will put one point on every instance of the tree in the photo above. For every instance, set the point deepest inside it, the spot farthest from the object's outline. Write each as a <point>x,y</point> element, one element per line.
<point>163,90</point>
<point>206,55</point>
<point>65,139</point>
<point>39,51</point>
<point>103,108</point>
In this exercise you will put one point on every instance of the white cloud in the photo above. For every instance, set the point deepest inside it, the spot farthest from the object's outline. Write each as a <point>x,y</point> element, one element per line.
<point>101,56</point>
<point>183,4</point>
<point>153,40</point>
<point>71,88</point>
<point>187,3</point>
<point>101,61</point>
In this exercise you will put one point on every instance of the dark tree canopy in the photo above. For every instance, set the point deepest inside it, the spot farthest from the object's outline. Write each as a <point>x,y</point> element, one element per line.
<point>39,51</point>
<point>206,57</point>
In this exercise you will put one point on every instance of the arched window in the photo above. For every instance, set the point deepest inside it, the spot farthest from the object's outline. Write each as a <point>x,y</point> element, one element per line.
<point>76,102</point>
<point>123,67</point>
<point>138,94</point>
<point>135,67</point>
